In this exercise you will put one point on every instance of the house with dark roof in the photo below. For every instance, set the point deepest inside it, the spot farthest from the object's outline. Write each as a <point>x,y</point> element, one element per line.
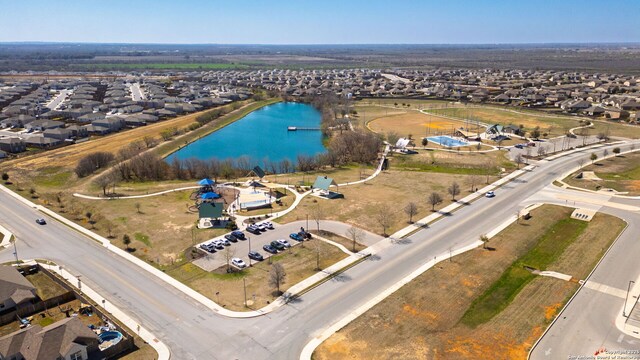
<point>67,339</point>
<point>44,125</point>
<point>15,289</point>
<point>13,145</point>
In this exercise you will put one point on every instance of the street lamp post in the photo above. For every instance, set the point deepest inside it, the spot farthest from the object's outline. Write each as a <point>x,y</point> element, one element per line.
<point>249,238</point>
<point>244,283</point>
<point>624,309</point>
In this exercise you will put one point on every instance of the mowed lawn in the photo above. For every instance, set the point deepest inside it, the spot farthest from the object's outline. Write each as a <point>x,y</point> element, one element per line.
<point>474,163</point>
<point>554,126</point>
<point>391,189</point>
<point>621,173</point>
<point>423,319</point>
<point>299,263</point>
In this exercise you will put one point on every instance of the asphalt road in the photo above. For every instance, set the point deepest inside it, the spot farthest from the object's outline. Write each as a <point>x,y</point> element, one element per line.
<point>193,332</point>
<point>136,92</point>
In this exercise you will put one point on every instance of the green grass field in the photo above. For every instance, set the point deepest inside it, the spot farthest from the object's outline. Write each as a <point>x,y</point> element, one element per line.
<point>163,66</point>
<point>500,294</point>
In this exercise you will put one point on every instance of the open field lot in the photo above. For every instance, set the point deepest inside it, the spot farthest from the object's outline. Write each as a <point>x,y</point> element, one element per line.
<point>489,163</point>
<point>423,320</point>
<point>299,263</point>
<point>419,125</point>
<point>391,189</point>
<point>616,129</point>
<point>621,173</point>
<point>553,126</point>
<point>160,232</point>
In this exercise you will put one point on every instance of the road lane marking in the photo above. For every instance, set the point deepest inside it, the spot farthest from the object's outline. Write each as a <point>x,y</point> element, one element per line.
<point>605,289</point>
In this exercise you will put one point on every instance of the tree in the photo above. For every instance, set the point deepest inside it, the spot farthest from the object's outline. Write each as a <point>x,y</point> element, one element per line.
<point>229,253</point>
<point>138,205</point>
<point>355,234</point>
<point>92,162</point>
<point>319,250</point>
<point>103,182</point>
<point>541,151</point>
<point>454,190</point>
<point>472,180</point>
<point>593,157</point>
<point>485,239</point>
<point>384,217</point>
<point>5,177</point>
<point>32,191</point>
<point>318,214</point>
<point>425,141</point>
<point>580,163</point>
<point>88,214</point>
<point>126,240</point>
<point>605,153</point>
<point>411,210</point>
<point>434,199</point>
<point>519,160</point>
<point>392,138</point>
<point>535,133</point>
<point>277,276</point>
<point>616,151</point>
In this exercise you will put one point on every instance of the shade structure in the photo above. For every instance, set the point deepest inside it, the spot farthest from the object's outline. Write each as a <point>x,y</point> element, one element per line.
<point>209,195</point>
<point>205,182</point>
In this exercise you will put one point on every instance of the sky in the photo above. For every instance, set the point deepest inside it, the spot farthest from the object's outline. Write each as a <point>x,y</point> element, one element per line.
<point>321,21</point>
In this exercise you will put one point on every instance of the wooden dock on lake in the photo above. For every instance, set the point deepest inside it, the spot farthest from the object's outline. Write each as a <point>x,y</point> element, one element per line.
<point>296,128</point>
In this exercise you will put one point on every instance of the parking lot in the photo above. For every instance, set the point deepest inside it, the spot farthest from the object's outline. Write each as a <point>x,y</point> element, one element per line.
<point>240,249</point>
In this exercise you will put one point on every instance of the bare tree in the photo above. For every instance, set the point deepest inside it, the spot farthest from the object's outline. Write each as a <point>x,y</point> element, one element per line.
<point>519,160</point>
<point>319,250</point>
<point>472,180</point>
<point>411,210</point>
<point>454,190</point>
<point>229,253</point>
<point>318,213</point>
<point>355,234</point>
<point>434,199</point>
<point>277,276</point>
<point>581,162</point>
<point>541,151</point>
<point>485,239</point>
<point>384,217</point>
<point>605,153</point>
<point>138,206</point>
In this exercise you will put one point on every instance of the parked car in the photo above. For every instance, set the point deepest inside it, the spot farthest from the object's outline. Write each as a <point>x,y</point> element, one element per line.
<point>225,242</point>
<point>519,146</point>
<point>268,224</point>
<point>270,249</point>
<point>238,234</point>
<point>532,144</point>
<point>253,229</point>
<point>262,227</point>
<point>296,237</point>
<point>490,194</point>
<point>237,262</point>
<point>41,221</point>
<point>218,244</point>
<point>277,245</point>
<point>254,255</point>
<point>284,242</point>
<point>231,238</point>
<point>208,247</point>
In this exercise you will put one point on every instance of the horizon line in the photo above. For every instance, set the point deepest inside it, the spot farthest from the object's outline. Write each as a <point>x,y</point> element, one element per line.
<point>583,43</point>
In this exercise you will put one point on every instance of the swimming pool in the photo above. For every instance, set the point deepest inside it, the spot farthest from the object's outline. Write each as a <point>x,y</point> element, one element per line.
<point>448,141</point>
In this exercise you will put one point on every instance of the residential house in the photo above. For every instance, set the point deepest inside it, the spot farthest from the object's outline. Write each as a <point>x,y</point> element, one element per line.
<point>13,145</point>
<point>67,339</point>
<point>113,124</point>
<point>78,132</point>
<point>15,289</point>
<point>42,125</point>
<point>59,134</point>
<point>17,121</point>
<point>42,142</point>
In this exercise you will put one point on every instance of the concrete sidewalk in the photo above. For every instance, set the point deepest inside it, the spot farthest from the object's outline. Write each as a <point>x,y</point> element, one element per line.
<point>6,237</point>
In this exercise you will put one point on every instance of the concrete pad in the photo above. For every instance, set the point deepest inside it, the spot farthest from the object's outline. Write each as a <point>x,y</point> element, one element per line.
<point>589,175</point>
<point>583,214</point>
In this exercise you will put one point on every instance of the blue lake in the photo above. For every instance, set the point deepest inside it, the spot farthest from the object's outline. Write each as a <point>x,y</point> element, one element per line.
<point>261,135</point>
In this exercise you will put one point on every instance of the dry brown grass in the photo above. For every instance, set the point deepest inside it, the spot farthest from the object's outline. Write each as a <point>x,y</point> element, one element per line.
<point>420,321</point>
<point>417,124</point>
<point>392,189</point>
<point>621,173</point>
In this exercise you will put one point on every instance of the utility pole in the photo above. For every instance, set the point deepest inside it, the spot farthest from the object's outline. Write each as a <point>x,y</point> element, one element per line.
<point>15,249</point>
<point>624,309</point>
<point>249,238</point>
<point>244,283</point>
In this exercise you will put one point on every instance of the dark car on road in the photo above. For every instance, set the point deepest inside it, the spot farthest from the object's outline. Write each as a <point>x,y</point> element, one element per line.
<point>254,255</point>
<point>238,234</point>
<point>270,249</point>
<point>277,245</point>
<point>41,221</point>
<point>296,237</point>
<point>231,238</point>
